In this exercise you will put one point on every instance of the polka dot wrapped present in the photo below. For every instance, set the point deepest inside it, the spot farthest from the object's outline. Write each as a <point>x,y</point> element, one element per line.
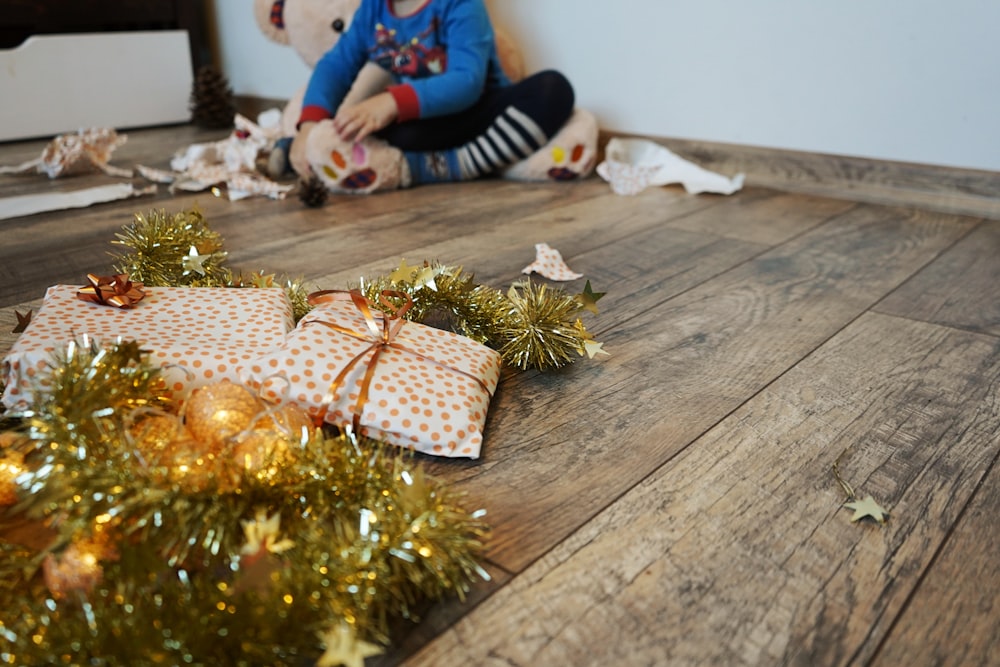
<point>352,365</point>
<point>198,335</point>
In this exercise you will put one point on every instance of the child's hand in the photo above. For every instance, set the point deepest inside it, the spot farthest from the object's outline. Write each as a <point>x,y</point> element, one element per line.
<point>357,122</point>
<point>297,153</point>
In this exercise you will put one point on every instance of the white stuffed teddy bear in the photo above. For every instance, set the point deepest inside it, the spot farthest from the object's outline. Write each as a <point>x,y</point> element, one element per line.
<point>312,27</point>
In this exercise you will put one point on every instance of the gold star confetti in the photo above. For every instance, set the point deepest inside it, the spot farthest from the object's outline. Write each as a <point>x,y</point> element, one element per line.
<point>862,508</point>
<point>405,273</point>
<point>593,349</point>
<point>22,321</point>
<point>193,262</point>
<point>425,277</point>
<point>343,648</point>
<point>589,298</point>
<point>867,507</point>
<point>264,532</point>
<point>262,280</point>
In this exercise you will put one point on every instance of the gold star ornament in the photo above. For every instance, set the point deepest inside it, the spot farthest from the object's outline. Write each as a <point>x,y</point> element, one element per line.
<point>343,648</point>
<point>193,262</point>
<point>404,273</point>
<point>589,298</point>
<point>867,508</point>
<point>22,321</point>
<point>262,280</point>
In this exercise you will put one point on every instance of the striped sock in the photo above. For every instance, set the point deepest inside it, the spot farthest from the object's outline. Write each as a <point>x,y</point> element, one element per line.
<point>512,137</point>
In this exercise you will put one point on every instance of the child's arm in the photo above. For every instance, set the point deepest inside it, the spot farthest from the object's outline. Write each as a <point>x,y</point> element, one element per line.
<point>336,71</point>
<point>329,84</point>
<point>468,35</point>
<point>366,117</point>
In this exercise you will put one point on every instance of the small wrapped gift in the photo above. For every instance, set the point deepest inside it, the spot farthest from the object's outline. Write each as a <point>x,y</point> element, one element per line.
<point>198,335</point>
<point>393,380</point>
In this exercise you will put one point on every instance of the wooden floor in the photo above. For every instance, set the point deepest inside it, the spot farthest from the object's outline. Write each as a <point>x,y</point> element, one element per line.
<point>673,504</point>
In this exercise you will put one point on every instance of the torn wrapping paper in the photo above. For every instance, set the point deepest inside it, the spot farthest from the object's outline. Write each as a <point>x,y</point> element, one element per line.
<point>394,380</point>
<point>67,154</point>
<point>632,165</point>
<point>13,207</point>
<point>231,162</point>
<point>549,263</point>
<point>199,335</point>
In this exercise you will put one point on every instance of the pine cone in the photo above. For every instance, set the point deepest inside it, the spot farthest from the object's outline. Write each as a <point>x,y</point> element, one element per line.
<point>313,192</point>
<point>212,103</point>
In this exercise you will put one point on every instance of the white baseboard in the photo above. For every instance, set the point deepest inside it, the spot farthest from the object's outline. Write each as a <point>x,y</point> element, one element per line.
<point>53,84</point>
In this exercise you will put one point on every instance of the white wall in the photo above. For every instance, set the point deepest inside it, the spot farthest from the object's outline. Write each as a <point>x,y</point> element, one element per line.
<point>254,65</point>
<point>909,80</point>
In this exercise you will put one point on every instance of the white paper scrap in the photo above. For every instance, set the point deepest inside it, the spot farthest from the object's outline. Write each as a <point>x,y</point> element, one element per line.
<point>632,165</point>
<point>549,263</point>
<point>13,207</point>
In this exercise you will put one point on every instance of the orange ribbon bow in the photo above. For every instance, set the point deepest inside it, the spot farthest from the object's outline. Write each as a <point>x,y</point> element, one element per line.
<point>116,290</point>
<point>382,338</point>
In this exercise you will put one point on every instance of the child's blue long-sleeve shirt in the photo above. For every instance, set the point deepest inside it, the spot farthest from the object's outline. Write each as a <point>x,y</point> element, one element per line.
<point>441,57</point>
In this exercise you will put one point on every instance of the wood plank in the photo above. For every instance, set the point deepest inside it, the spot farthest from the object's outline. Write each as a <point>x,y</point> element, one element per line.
<point>952,618</point>
<point>392,223</point>
<point>434,617</point>
<point>771,223</point>
<point>499,246</point>
<point>738,551</point>
<point>678,368</point>
<point>277,236</point>
<point>678,492</point>
<point>961,289</point>
<point>933,187</point>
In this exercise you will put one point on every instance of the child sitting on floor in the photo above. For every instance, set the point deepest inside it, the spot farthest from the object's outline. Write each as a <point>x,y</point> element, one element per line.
<point>452,114</point>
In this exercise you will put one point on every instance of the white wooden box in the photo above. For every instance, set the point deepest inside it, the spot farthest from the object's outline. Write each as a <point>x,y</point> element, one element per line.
<point>53,84</point>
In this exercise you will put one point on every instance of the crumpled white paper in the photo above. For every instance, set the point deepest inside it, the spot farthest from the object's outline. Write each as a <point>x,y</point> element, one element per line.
<point>68,154</point>
<point>549,263</point>
<point>632,165</point>
<point>231,162</point>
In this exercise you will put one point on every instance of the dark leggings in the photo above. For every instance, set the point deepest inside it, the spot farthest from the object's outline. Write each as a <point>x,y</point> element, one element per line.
<point>545,97</point>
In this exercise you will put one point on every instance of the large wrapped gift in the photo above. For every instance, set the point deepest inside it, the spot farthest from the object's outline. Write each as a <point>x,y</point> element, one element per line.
<point>198,335</point>
<point>397,381</point>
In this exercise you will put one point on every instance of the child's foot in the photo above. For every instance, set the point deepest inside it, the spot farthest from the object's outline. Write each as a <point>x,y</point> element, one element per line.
<point>569,155</point>
<point>354,167</point>
<point>278,165</point>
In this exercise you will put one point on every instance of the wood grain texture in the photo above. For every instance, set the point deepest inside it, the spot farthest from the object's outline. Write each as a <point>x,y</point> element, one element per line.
<point>961,289</point>
<point>671,503</point>
<point>680,363</point>
<point>737,551</point>
<point>938,188</point>
<point>952,617</point>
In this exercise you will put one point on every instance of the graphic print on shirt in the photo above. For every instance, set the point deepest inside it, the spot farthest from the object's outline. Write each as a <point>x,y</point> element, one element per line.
<point>412,59</point>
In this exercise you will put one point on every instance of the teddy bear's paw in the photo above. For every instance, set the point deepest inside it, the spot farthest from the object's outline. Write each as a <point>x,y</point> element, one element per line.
<point>353,167</point>
<point>569,155</point>
<point>348,175</point>
<point>570,165</point>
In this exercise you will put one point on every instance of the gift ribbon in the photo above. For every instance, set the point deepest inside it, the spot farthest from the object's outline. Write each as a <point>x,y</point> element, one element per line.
<point>116,290</point>
<point>382,338</point>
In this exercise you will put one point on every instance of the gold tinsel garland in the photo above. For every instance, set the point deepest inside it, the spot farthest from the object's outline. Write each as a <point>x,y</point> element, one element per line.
<point>267,542</point>
<point>181,250</point>
<point>531,325</point>
<point>165,558</point>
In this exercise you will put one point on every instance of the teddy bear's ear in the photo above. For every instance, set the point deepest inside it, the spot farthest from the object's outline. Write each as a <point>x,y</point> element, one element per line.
<point>270,15</point>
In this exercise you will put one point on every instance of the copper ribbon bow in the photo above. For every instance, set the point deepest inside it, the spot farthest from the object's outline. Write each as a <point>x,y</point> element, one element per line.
<point>382,338</point>
<point>116,290</point>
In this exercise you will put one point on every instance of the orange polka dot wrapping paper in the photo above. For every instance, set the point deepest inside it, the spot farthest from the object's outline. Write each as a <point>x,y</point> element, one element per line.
<point>430,391</point>
<point>198,335</point>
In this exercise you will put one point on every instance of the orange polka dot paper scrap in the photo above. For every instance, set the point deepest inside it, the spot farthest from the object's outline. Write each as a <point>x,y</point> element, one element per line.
<point>198,335</point>
<point>429,391</point>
